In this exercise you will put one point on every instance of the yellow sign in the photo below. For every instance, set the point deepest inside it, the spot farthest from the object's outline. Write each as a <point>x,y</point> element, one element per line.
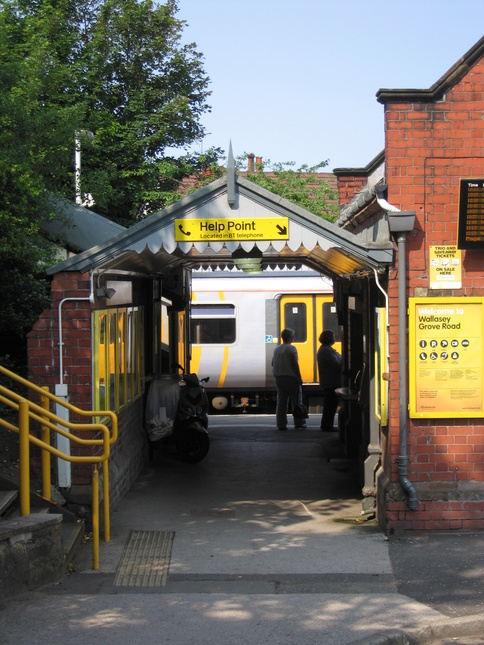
<point>446,357</point>
<point>381,365</point>
<point>206,230</point>
<point>445,267</point>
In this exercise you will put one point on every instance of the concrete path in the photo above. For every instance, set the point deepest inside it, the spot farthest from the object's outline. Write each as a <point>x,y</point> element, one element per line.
<point>269,546</point>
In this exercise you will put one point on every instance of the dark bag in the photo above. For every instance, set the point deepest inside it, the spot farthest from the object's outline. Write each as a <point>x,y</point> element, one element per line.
<point>301,411</point>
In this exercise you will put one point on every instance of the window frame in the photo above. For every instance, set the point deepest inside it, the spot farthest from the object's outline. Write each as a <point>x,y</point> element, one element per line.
<point>118,361</point>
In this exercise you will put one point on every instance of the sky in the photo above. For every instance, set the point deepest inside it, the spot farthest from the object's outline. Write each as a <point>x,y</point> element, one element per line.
<point>295,80</point>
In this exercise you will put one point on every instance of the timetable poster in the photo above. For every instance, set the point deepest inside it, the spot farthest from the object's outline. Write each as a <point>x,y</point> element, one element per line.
<point>446,357</point>
<point>470,233</point>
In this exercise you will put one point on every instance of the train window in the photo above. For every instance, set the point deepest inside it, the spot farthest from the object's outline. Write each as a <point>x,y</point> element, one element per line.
<point>295,317</point>
<point>330,319</point>
<point>213,324</point>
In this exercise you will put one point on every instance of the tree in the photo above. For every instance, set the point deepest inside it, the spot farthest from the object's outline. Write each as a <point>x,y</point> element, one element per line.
<point>307,186</point>
<point>182,176</point>
<point>116,68</point>
<point>304,186</point>
<point>144,92</point>
<point>113,67</point>
<point>30,138</point>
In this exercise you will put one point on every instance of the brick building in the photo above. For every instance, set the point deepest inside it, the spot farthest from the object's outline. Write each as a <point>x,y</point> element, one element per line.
<point>434,138</point>
<point>407,267</point>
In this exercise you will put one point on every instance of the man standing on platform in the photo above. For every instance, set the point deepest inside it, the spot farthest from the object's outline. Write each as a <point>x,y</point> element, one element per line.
<point>286,372</point>
<point>329,368</point>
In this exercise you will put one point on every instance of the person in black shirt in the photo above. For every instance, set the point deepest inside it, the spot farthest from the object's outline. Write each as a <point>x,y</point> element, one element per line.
<point>329,368</point>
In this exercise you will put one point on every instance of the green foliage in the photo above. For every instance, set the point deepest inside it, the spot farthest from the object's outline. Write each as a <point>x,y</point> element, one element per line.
<point>113,67</point>
<point>144,92</point>
<point>116,68</point>
<point>304,186</point>
<point>176,178</point>
<point>23,254</point>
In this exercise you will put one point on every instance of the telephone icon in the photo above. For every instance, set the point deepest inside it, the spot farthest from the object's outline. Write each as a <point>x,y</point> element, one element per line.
<point>187,233</point>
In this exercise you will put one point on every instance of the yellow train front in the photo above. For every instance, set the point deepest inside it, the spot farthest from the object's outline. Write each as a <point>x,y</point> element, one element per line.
<point>236,322</point>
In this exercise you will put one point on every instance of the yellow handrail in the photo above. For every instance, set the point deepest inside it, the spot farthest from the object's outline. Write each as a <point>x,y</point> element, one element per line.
<point>44,393</point>
<point>46,482</point>
<point>52,397</point>
<point>25,438</point>
<point>28,410</point>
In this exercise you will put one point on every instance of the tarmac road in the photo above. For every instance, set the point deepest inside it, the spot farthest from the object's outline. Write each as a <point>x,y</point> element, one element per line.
<point>268,545</point>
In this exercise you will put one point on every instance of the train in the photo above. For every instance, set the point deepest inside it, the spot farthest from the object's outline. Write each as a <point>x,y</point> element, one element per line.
<point>236,322</point>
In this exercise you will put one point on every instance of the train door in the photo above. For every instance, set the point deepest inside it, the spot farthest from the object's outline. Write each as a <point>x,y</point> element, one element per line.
<point>309,315</point>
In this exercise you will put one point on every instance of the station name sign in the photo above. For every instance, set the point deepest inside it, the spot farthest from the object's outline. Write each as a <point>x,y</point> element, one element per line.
<point>446,361</point>
<point>236,229</point>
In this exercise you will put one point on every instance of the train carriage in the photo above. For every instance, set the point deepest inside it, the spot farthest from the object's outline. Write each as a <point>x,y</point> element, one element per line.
<point>236,322</point>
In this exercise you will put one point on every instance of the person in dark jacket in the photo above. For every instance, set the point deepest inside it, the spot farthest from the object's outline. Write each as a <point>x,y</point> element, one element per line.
<point>329,368</point>
<point>286,372</point>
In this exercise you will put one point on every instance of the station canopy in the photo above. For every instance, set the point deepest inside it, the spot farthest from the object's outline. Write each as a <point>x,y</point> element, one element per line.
<point>233,221</point>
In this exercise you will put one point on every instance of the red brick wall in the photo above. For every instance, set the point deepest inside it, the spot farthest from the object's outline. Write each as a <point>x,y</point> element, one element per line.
<point>429,147</point>
<point>349,186</point>
<point>436,516</point>
<point>43,340</point>
<point>129,453</point>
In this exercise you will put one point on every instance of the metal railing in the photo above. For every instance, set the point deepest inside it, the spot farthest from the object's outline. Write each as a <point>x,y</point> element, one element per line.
<point>29,411</point>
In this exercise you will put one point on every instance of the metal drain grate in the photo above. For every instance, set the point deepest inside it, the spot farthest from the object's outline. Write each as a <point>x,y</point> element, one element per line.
<point>145,560</point>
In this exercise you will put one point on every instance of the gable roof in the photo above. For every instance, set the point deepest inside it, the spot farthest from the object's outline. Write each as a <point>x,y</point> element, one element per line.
<point>150,247</point>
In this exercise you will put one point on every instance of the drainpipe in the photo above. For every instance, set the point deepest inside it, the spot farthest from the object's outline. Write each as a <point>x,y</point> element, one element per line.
<point>401,223</point>
<point>61,391</point>
<point>61,342</point>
